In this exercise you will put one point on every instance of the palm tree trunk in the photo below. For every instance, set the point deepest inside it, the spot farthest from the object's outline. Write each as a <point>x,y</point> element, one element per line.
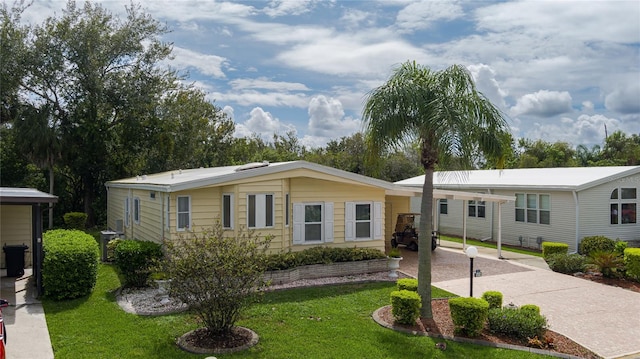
<point>424,247</point>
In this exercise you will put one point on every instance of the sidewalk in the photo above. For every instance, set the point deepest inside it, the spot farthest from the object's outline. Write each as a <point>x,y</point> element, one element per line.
<point>27,332</point>
<point>602,318</point>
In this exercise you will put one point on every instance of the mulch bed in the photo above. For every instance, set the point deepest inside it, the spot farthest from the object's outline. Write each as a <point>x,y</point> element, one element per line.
<point>442,326</point>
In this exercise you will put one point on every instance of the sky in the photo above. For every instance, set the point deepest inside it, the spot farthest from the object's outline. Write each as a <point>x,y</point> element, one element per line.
<point>558,70</point>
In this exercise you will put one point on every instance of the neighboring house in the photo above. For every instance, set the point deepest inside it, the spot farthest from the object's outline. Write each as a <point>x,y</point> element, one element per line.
<point>300,204</point>
<point>551,204</point>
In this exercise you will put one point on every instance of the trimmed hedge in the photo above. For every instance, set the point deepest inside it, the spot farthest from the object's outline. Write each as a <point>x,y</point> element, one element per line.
<point>320,255</point>
<point>521,323</point>
<point>405,306</point>
<point>135,260</point>
<point>531,307</point>
<point>70,264</point>
<point>468,314</point>
<point>592,244</point>
<point>566,263</point>
<point>632,263</point>
<point>75,220</point>
<point>494,298</point>
<point>410,284</point>
<point>550,248</point>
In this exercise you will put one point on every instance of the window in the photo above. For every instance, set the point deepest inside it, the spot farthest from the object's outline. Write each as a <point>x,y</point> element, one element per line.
<point>184,212</point>
<point>168,212</point>
<point>312,222</point>
<point>476,209</point>
<point>127,212</point>
<point>623,206</point>
<point>227,211</point>
<point>362,221</point>
<point>444,207</point>
<point>136,210</point>
<point>286,210</point>
<point>533,208</point>
<point>260,210</point>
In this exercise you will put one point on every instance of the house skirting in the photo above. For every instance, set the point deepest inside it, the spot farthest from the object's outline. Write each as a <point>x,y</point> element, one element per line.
<point>315,271</point>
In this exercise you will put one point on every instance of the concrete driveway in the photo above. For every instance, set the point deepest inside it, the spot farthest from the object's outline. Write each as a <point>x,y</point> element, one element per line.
<point>603,318</point>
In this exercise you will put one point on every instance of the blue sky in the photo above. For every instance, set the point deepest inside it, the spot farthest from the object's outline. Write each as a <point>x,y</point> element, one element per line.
<point>559,70</point>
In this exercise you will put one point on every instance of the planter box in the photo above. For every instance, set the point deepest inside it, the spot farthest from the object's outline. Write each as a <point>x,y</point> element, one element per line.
<point>315,271</point>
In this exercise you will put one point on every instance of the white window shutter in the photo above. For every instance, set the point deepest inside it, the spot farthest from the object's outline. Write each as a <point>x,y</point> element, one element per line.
<point>349,221</point>
<point>298,223</point>
<point>377,220</point>
<point>328,222</point>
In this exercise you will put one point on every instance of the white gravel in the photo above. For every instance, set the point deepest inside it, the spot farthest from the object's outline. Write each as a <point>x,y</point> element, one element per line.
<point>152,301</point>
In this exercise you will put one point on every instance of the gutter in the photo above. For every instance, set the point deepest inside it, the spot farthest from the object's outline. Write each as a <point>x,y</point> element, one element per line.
<point>576,202</point>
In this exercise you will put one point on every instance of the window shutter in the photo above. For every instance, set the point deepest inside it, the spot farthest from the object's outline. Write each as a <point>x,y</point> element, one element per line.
<point>298,223</point>
<point>349,221</point>
<point>377,220</point>
<point>328,222</point>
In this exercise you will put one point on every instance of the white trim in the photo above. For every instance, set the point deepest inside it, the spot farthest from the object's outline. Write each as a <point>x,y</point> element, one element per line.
<point>260,216</point>
<point>328,222</point>
<point>231,211</point>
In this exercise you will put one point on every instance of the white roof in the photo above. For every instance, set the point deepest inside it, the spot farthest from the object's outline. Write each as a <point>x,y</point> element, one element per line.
<point>562,178</point>
<point>25,196</point>
<point>178,180</point>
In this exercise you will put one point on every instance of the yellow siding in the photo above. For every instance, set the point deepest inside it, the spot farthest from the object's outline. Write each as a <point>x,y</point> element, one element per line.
<point>15,229</point>
<point>115,207</point>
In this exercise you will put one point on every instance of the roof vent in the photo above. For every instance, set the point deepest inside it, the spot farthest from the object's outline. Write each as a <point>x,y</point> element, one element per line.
<point>252,165</point>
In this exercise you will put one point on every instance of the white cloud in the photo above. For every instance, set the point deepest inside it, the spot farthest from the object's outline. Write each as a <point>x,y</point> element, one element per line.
<point>252,98</point>
<point>228,110</point>
<point>264,83</point>
<point>326,118</point>
<point>485,79</point>
<point>206,64</point>
<point>625,99</point>
<point>587,106</point>
<point>543,104</point>
<point>288,7</point>
<point>421,15</point>
<point>585,129</point>
<point>263,124</point>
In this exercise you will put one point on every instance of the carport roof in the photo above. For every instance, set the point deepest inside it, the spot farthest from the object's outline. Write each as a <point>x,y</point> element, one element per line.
<point>14,195</point>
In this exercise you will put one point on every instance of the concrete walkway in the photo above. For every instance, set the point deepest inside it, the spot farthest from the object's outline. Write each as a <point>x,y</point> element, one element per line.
<point>27,332</point>
<point>603,318</point>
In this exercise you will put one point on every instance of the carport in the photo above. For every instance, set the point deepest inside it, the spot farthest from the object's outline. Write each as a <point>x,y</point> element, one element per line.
<point>39,201</point>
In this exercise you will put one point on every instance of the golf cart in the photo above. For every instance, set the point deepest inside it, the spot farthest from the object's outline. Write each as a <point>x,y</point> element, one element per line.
<point>406,232</point>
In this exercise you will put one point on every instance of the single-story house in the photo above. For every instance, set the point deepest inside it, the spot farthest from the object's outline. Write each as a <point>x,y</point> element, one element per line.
<point>551,204</point>
<point>298,203</point>
<point>21,224</point>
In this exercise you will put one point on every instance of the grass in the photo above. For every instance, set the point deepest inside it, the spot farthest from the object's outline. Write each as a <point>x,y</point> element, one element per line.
<point>320,322</point>
<point>486,244</point>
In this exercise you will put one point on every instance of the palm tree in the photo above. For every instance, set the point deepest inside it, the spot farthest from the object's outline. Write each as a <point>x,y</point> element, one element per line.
<point>452,121</point>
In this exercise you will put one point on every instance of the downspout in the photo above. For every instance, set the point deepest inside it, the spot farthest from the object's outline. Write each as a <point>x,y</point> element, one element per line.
<point>162,218</point>
<point>576,202</point>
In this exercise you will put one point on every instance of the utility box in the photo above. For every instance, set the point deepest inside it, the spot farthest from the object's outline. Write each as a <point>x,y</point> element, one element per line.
<point>14,259</point>
<point>105,237</point>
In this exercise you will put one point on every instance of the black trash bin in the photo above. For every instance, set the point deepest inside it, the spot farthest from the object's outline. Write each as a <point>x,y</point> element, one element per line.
<point>14,260</point>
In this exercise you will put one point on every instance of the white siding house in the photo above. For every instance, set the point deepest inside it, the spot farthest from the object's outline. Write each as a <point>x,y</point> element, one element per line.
<point>552,204</point>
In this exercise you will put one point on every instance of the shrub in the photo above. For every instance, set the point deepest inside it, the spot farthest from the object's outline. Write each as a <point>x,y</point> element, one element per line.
<point>596,244</point>
<point>405,306</point>
<point>531,307</point>
<point>610,264</point>
<point>566,263</point>
<point>320,255</point>
<point>135,260</point>
<point>632,263</point>
<point>75,220</point>
<point>410,284</point>
<point>494,298</point>
<point>217,276</point>
<point>70,264</point>
<point>550,248</point>
<point>517,323</point>
<point>620,247</point>
<point>468,314</point>
<point>111,247</point>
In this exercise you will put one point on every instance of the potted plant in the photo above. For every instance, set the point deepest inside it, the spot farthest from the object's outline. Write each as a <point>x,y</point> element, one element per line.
<point>395,256</point>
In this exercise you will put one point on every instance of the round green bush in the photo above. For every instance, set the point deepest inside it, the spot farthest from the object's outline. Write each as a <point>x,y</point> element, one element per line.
<point>69,265</point>
<point>596,244</point>
<point>407,284</point>
<point>566,263</point>
<point>632,263</point>
<point>494,298</point>
<point>517,323</point>
<point>531,307</point>
<point>551,248</point>
<point>405,306</point>
<point>135,259</point>
<point>468,314</point>
<point>75,220</point>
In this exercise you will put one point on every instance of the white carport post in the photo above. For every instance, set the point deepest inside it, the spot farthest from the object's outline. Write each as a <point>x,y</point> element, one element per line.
<point>500,230</point>
<point>464,225</point>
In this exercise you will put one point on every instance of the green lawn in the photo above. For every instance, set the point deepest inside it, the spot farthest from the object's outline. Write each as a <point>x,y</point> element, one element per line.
<point>322,322</point>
